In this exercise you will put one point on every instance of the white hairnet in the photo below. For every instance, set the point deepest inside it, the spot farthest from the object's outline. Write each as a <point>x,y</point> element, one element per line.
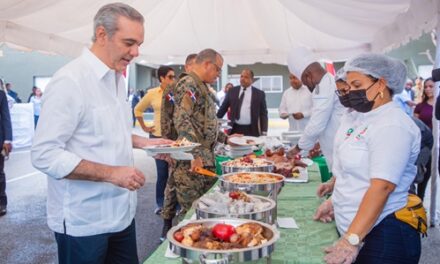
<point>380,66</point>
<point>298,59</point>
<point>340,75</point>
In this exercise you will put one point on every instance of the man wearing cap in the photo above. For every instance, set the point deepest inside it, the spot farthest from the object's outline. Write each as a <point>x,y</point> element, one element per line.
<point>326,108</point>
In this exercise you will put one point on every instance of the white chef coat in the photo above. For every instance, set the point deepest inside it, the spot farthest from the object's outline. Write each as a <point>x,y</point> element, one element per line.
<point>85,115</point>
<point>324,121</point>
<point>381,144</point>
<point>296,101</point>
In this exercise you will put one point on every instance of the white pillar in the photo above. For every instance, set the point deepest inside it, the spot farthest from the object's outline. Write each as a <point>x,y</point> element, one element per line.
<point>224,77</point>
<point>435,131</point>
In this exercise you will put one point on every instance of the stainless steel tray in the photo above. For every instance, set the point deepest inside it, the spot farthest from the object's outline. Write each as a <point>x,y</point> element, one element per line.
<point>263,189</point>
<point>224,256</point>
<point>230,169</point>
<point>267,216</point>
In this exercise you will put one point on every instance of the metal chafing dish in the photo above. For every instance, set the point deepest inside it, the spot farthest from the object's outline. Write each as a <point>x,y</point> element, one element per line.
<point>189,254</point>
<point>268,215</point>
<point>269,167</point>
<point>263,189</point>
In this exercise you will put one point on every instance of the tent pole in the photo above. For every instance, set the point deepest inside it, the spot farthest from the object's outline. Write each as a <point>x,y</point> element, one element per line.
<point>435,127</point>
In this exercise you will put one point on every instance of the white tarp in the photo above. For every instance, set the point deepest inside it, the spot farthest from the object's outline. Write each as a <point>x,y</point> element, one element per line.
<point>244,31</point>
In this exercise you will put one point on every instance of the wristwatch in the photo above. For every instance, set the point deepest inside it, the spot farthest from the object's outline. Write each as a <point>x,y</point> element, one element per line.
<point>353,239</point>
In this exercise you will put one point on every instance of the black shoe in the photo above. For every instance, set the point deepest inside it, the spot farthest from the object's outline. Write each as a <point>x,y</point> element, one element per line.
<point>167,224</point>
<point>2,210</point>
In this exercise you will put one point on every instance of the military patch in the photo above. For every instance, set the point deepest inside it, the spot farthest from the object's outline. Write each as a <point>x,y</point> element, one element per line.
<point>192,95</point>
<point>170,97</point>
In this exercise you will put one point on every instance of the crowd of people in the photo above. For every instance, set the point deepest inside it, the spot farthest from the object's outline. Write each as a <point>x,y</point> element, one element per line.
<point>371,124</point>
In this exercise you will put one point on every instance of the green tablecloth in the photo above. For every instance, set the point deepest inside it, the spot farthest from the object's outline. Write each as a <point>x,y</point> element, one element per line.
<point>303,245</point>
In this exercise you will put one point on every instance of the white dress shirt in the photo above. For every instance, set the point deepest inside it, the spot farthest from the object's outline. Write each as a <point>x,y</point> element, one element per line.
<point>245,111</point>
<point>85,115</point>
<point>324,121</point>
<point>381,144</point>
<point>296,101</point>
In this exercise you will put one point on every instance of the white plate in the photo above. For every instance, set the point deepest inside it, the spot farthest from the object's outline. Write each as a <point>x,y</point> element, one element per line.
<point>303,177</point>
<point>307,161</point>
<point>242,141</point>
<point>163,149</point>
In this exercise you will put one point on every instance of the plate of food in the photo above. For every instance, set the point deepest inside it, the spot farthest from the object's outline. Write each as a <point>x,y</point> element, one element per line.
<point>297,175</point>
<point>246,141</point>
<point>180,145</point>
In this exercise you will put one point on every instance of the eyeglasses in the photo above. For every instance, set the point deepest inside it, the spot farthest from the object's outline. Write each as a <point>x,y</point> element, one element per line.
<point>345,87</point>
<point>217,68</point>
<point>171,77</point>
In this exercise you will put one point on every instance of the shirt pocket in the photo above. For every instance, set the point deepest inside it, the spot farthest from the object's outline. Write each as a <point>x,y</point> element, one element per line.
<point>353,156</point>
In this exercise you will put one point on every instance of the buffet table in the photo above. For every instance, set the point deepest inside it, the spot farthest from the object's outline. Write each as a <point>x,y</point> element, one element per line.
<point>303,245</point>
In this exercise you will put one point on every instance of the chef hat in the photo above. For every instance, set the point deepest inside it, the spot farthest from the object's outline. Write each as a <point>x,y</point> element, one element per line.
<point>298,59</point>
<point>380,66</point>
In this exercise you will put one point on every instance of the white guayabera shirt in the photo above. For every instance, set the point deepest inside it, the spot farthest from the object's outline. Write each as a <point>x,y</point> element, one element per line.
<point>85,115</point>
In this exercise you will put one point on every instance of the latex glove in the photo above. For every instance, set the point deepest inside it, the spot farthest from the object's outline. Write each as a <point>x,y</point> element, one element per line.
<point>324,188</point>
<point>156,141</point>
<point>341,252</point>
<point>325,212</point>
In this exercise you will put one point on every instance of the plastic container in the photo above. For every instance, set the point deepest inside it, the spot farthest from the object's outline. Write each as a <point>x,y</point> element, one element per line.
<point>323,168</point>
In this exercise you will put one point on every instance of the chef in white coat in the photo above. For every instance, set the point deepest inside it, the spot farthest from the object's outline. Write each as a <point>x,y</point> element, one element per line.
<point>376,147</point>
<point>326,108</point>
<point>296,104</point>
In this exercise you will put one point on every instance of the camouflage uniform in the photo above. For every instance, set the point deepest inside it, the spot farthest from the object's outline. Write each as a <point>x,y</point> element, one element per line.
<point>195,119</point>
<point>168,131</point>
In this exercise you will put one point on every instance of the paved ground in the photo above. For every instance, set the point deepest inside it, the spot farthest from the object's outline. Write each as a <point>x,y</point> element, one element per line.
<point>25,237</point>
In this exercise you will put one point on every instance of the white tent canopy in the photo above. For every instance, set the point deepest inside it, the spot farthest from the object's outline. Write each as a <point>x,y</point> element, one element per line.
<point>244,31</point>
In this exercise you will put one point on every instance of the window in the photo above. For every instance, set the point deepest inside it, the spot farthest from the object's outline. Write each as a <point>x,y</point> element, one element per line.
<point>268,84</point>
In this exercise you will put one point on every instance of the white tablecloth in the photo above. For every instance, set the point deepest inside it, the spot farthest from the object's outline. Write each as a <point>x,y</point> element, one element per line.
<point>22,118</point>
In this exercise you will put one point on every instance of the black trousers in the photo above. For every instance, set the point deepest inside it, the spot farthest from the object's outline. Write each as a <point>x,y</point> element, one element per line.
<point>109,248</point>
<point>244,129</point>
<point>3,198</point>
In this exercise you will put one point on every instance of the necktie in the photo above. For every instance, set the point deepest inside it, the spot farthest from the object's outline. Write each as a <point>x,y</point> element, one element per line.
<point>240,102</point>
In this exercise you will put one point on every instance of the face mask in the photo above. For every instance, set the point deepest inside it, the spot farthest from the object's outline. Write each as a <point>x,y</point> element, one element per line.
<point>344,100</point>
<point>358,100</point>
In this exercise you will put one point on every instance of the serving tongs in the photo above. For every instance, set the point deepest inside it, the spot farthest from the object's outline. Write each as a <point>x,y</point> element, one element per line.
<point>205,172</point>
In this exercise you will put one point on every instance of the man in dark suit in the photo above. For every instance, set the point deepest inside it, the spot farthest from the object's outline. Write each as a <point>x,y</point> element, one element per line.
<point>248,107</point>
<point>5,140</point>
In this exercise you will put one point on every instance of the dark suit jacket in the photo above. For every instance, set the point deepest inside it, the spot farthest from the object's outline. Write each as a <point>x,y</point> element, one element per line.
<point>5,120</point>
<point>259,118</point>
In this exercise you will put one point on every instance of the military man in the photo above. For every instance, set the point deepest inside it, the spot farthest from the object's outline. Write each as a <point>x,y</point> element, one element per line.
<point>169,132</point>
<point>194,118</point>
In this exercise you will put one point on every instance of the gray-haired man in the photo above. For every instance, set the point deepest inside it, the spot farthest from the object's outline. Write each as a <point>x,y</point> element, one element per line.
<point>86,148</point>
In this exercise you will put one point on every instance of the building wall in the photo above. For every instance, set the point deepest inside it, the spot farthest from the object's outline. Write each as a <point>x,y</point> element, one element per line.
<point>19,68</point>
<point>272,99</point>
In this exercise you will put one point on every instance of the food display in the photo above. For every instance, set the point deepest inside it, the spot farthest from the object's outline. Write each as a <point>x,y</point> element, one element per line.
<point>284,166</point>
<point>222,236</point>
<point>234,202</point>
<point>259,183</point>
<point>253,178</point>
<point>247,163</point>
